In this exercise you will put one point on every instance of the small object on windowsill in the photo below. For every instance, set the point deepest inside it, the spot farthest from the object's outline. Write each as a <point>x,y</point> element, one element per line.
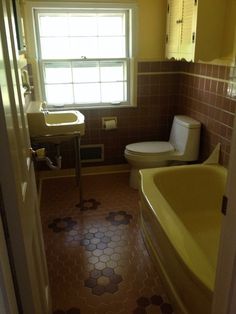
<point>58,106</point>
<point>44,106</point>
<point>27,89</point>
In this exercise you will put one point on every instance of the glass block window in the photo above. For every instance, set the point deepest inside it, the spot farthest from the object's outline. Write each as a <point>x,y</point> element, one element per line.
<point>84,55</point>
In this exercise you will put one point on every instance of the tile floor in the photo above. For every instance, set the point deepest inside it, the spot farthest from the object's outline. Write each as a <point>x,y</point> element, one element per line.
<point>97,260</point>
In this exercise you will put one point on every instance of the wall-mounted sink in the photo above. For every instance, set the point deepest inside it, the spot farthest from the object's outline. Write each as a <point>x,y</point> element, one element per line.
<point>43,123</point>
<point>61,117</point>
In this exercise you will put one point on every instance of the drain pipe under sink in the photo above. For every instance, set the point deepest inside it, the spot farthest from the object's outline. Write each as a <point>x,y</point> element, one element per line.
<point>40,155</point>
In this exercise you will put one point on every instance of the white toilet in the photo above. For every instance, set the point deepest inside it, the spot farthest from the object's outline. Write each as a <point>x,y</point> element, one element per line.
<point>183,146</point>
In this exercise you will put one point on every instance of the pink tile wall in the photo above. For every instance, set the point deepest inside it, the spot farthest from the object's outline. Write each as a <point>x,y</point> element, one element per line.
<point>203,91</point>
<point>208,93</point>
<point>157,85</point>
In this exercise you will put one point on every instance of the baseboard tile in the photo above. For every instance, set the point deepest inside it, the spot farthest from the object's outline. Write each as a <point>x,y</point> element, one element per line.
<point>86,171</point>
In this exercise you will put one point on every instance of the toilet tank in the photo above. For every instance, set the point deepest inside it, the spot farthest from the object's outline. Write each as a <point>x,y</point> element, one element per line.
<point>185,137</point>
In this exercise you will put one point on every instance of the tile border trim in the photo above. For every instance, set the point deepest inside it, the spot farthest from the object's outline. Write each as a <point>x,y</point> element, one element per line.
<point>189,74</point>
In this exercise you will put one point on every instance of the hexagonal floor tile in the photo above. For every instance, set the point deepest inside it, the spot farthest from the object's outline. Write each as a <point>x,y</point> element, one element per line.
<point>97,252</point>
<point>116,279</point>
<point>108,272</point>
<point>104,258</point>
<point>166,308</point>
<point>156,299</point>
<point>100,264</point>
<point>103,281</point>
<point>90,282</point>
<point>98,290</point>
<point>143,302</point>
<point>111,288</point>
<point>139,310</point>
<point>95,273</point>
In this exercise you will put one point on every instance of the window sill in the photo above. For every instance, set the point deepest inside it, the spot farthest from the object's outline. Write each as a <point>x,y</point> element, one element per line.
<point>79,107</point>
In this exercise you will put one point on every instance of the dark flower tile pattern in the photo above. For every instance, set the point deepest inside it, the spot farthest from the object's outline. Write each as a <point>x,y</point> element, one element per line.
<point>119,218</point>
<point>96,266</point>
<point>62,224</point>
<point>101,281</point>
<point>139,310</point>
<point>90,204</point>
<point>95,241</point>
<point>145,304</point>
<point>156,300</point>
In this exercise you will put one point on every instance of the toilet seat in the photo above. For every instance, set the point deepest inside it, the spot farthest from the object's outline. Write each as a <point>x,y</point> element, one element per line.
<point>182,147</point>
<point>149,148</point>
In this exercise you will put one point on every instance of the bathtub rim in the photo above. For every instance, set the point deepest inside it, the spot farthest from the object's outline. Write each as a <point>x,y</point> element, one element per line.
<point>200,269</point>
<point>171,291</point>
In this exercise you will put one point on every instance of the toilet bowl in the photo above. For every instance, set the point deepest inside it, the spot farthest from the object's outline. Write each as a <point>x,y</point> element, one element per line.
<point>182,147</point>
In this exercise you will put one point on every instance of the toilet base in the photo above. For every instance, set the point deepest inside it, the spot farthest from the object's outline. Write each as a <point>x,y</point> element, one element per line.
<point>134,178</point>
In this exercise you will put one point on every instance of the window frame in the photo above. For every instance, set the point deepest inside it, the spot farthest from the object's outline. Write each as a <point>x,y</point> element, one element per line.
<point>130,59</point>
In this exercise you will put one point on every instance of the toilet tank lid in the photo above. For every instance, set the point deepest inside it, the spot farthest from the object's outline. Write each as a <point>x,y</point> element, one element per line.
<point>187,122</point>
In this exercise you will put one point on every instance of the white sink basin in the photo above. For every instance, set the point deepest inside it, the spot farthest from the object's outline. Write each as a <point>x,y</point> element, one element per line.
<point>44,123</point>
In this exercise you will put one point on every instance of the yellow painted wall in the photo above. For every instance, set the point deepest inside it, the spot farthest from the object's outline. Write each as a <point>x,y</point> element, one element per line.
<point>151,26</point>
<point>229,36</point>
<point>152,29</point>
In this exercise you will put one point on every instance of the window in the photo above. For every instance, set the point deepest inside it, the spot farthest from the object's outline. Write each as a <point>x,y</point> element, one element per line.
<point>84,56</point>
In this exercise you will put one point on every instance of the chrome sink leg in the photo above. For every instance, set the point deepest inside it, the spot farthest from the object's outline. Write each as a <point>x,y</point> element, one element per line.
<point>78,169</point>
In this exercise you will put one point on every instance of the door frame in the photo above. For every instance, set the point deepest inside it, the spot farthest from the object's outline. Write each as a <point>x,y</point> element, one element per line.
<point>17,179</point>
<point>8,301</point>
<point>225,290</point>
<point>225,287</point>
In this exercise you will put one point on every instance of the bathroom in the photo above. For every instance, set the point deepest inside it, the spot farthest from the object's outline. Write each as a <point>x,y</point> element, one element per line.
<point>203,90</point>
<point>163,90</point>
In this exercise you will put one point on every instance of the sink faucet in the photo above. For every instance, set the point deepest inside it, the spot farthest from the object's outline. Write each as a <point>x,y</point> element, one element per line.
<point>44,105</point>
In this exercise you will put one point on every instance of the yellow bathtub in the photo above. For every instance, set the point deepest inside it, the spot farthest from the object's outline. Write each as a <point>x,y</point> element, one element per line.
<point>181,223</point>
